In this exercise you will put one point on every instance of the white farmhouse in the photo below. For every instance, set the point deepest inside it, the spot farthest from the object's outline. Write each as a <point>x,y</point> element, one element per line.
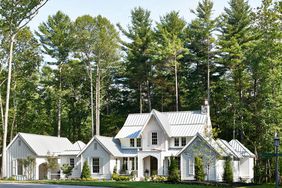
<point>39,147</point>
<point>143,147</point>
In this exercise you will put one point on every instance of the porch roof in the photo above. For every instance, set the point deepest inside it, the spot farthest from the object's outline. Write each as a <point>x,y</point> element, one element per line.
<point>240,148</point>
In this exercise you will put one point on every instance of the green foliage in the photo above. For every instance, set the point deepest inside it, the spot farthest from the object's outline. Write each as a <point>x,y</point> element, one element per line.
<point>117,177</point>
<point>173,172</point>
<point>199,169</point>
<point>52,162</point>
<point>85,174</point>
<point>67,170</point>
<point>228,171</point>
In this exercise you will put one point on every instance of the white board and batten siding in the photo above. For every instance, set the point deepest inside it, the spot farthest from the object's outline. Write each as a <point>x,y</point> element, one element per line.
<point>17,150</point>
<point>76,171</point>
<point>196,148</point>
<point>95,150</point>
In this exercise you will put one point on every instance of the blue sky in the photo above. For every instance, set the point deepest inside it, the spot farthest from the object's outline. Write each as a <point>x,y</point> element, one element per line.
<point>118,11</point>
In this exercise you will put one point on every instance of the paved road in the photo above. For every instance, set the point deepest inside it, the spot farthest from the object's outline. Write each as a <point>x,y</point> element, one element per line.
<point>14,185</point>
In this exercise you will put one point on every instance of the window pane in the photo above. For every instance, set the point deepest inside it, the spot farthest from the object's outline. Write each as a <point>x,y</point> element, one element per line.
<point>138,142</point>
<point>95,165</point>
<point>154,138</point>
<point>20,167</point>
<point>176,141</point>
<point>132,142</point>
<point>132,163</point>
<point>183,141</point>
<point>72,162</point>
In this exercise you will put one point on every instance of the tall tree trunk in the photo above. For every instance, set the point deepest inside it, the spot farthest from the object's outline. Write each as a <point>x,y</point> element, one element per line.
<point>140,99</point>
<point>91,98</point>
<point>98,80</point>
<point>2,110</point>
<point>176,84</point>
<point>60,101</point>
<point>15,113</point>
<point>5,131</point>
<point>149,95</point>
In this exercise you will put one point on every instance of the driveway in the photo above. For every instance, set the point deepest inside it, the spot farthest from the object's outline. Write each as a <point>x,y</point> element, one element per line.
<point>17,185</point>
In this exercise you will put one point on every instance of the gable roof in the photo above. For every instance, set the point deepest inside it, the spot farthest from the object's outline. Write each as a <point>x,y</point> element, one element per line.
<point>43,145</point>
<point>112,146</point>
<point>74,149</point>
<point>240,148</point>
<point>176,124</point>
<point>211,143</point>
<point>228,148</point>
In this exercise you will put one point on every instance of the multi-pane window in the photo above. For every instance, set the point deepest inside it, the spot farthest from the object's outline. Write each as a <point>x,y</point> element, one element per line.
<point>183,141</point>
<point>72,162</point>
<point>19,167</point>
<point>138,142</point>
<point>132,144</point>
<point>191,167</point>
<point>176,141</point>
<point>154,138</point>
<point>95,165</point>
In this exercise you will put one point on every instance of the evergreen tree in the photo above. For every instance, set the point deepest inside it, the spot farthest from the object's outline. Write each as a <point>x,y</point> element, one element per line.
<point>85,173</point>
<point>139,71</point>
<point>173,172</point>
<point>228,172</point>
<point>199,169</point>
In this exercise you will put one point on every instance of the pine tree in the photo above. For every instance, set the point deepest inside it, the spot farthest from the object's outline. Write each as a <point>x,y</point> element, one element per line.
<point>228,172</point>
<point>85,173</point>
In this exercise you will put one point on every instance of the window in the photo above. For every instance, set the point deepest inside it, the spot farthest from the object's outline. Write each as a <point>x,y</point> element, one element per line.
<point>19,142</point>
<point>138,142</point>
<point>191,167</point>
<point>20,167</point>
<point>132,144</point>
<point>176,141</point>
<point>154,138</point>
<point>183,141</point>
<point>95,165</point>
<point>72,162</point>
<point>132,161</point>
<point>95,146</point>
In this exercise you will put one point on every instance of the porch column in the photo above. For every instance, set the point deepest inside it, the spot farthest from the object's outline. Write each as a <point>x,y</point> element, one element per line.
<point>128,164</point>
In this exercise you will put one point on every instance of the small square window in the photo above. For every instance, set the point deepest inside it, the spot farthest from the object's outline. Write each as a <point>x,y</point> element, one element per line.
<point>176,141</point>
<point>132,142</point>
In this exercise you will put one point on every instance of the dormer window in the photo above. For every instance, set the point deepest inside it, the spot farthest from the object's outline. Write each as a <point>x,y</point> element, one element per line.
<point>183,141</point>
<point>132,143</point>
<point>154,138</point>
<point>176,142</point>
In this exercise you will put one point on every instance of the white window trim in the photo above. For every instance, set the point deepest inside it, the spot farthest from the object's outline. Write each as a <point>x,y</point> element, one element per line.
<point>152,138</point>
<point>92,165</point>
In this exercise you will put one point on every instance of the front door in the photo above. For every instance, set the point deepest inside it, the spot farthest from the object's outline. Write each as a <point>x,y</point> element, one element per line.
<point>153,166</point>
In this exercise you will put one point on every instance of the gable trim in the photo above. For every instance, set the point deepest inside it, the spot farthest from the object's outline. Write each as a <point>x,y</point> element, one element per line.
<point>22,138</point>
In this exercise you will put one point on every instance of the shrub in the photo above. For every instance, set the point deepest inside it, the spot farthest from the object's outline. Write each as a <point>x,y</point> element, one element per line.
<point>117,177</point>
<point>67,169</point>
<point>85,174</point>
<point>173,175</point>
<point>199,169</point>
<point>228,172</point>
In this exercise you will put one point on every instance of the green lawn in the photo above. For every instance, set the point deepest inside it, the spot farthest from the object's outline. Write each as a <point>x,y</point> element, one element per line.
<point>134,184</point>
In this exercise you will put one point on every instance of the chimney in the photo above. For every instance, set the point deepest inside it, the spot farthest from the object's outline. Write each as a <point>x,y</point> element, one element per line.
<point>205,109</point>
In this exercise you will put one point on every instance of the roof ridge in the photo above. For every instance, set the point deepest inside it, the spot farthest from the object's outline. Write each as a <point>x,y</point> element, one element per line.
<point>21,133</point>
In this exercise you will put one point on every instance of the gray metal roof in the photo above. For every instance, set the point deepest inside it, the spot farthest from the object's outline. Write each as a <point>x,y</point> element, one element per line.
<point>112,146</point>
<point>43,145</point>
<point>240,148</point>
<point>176,124</point>
<point>210,142</point>
<point>228,148</point>
<point>74,149</point>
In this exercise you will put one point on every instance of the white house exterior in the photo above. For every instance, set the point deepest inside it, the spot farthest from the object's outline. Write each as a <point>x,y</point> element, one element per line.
<point>36,146</point>
<point>144,145</point>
